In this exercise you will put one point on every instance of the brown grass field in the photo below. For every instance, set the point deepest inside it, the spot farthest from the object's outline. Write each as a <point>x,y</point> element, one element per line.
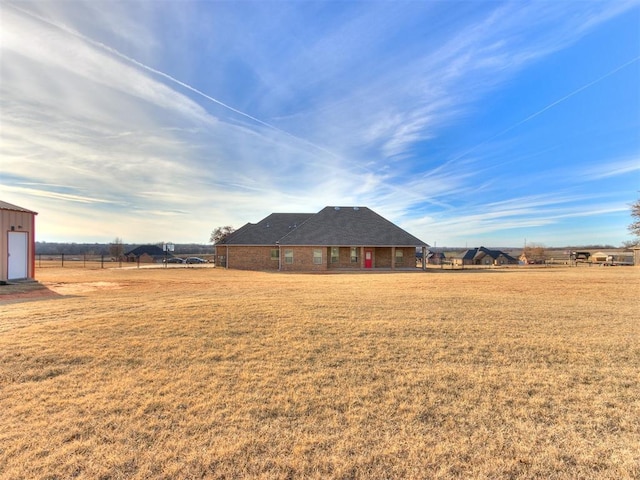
<point>207,373</point>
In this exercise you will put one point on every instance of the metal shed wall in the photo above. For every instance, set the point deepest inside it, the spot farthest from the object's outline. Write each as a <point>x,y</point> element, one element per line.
<point>16,221</point>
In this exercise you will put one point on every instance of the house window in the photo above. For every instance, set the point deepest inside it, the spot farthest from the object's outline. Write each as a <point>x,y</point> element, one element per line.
<point>275,254</point>
<point>399,257</point>
<point>317,256</point>
<point>335,254</point>
<point>288,256</point>
<point>354,254</point>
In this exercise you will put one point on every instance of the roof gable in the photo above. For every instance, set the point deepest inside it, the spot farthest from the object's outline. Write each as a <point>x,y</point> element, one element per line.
<point>469,254</point>
<point>15,208</point>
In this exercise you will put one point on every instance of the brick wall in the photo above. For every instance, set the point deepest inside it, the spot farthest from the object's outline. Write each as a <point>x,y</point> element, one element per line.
<point>259,258</point>
<point>249,258</point>
<point>408,257</point>
<point>303,259</point>
<point>382,257</point>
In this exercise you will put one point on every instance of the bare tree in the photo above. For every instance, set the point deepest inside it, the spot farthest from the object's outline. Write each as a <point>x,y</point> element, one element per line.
<point>534,253</point>
<point>116,249</point>
<point>220,233</point>
<point>634,228</point>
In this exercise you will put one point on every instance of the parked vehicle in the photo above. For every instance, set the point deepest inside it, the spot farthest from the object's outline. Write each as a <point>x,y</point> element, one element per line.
<point>195,260</point>
<point>174,260</point>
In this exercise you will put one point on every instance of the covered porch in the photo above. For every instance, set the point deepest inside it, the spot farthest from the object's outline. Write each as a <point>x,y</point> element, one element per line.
<point>371,257</point>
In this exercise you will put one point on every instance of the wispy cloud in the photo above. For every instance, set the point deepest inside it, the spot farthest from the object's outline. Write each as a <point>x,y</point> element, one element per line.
<point>612,168</point>
<point>537,216</point>
<point>49,192</point>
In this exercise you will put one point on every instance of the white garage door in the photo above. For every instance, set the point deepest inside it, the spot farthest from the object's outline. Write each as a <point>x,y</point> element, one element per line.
<point>17,255</point>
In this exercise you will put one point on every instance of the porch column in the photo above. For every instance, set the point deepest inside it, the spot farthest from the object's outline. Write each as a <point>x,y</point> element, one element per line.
<point>393,258</point>
<point>361,257</point>
<point>424,258</point>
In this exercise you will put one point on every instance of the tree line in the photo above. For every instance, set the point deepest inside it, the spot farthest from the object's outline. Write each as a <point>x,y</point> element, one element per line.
<point>106,249</point>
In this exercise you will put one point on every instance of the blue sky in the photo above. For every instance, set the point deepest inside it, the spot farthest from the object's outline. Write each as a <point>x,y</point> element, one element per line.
<point>466,123</point>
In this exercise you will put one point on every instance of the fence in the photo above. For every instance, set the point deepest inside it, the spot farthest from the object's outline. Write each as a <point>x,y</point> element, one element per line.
<point>76,261</point>
<point>94,261</point>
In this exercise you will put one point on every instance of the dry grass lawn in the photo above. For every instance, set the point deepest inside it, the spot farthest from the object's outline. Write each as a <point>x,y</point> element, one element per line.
<point>207,373</point>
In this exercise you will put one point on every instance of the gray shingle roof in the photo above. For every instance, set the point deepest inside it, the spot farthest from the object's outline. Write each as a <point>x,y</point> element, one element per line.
<point>477,253</point>
<point>267,231</point>
<point>332,226</point>
<point>151,250</point>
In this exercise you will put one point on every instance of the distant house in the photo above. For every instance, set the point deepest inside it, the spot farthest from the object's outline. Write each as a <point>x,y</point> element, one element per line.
<point>615,257</point>
<point>436,258</point>
<point>525,259</point>
<point>485,256</point>
<point>336,238</point>
<point>147,254</point>
<point>17,242</point>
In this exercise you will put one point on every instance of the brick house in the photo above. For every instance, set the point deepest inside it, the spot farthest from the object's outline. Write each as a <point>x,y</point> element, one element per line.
<point>147,254</point>
<point>336,238</point>
<point>485,256</point>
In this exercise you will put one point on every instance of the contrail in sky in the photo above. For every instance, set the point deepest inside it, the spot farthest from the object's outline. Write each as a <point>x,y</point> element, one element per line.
<point>115,52</point>
<point>542,110</point>
<point>569,95</point>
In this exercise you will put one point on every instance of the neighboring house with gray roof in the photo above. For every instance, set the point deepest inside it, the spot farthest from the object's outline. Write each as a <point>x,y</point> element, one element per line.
<point>333,239</point>
<point>147,254</point>
<point>486,256</point>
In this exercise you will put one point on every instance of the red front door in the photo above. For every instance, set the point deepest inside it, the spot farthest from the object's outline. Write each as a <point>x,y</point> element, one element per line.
<point>368,259</point>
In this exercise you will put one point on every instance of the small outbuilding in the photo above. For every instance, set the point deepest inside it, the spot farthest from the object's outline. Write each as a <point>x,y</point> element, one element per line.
<point>581,256</point>
<point>601,257</point>
<point>17,243</point>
